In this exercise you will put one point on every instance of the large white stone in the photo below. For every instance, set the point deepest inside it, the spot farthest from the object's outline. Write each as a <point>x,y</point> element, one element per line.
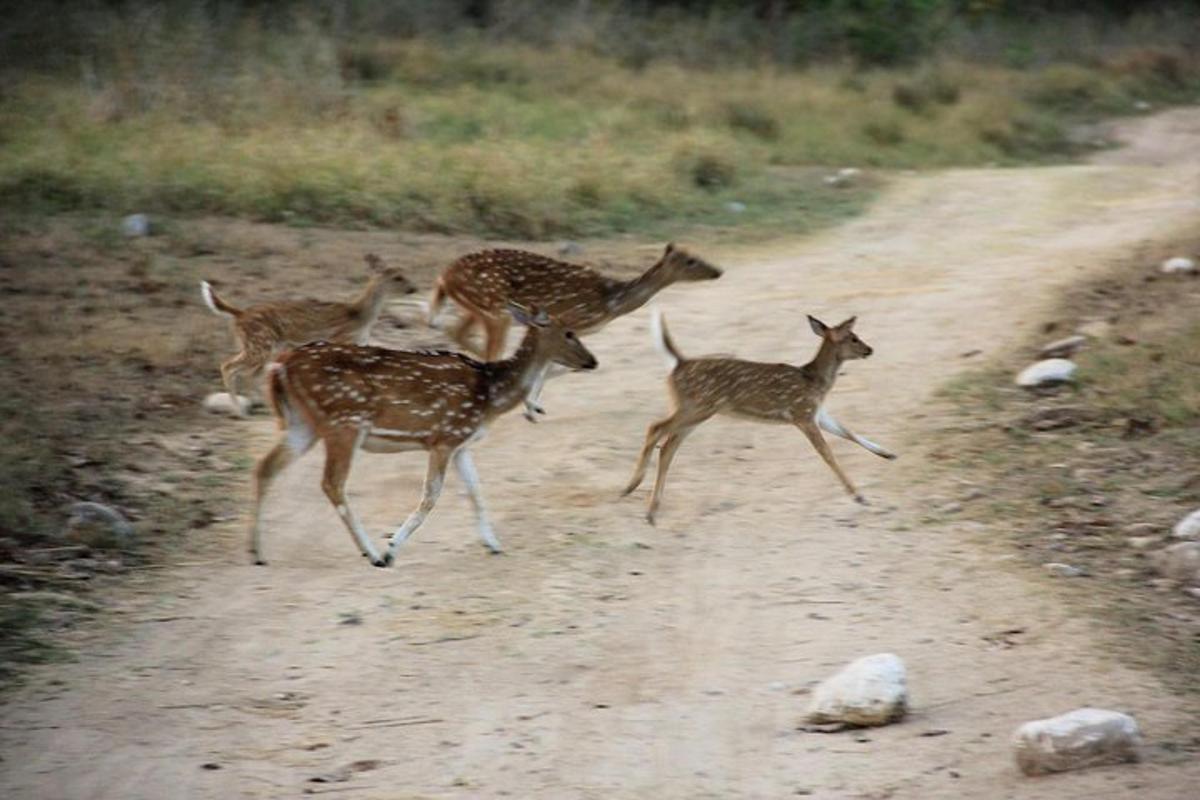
<point>1085,737</point>
<point>1046,372</point>
<point>223,403</point>
<point>1180,562</point>
<point>870,691</point>
<point>1178,264</point>
<point>1188,527</point>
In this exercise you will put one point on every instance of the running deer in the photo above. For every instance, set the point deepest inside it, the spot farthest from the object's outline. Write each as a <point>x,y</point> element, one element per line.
<point>482,284</point>
<point>263,330</point>
<point>385,401</point>
<point>779,393</point>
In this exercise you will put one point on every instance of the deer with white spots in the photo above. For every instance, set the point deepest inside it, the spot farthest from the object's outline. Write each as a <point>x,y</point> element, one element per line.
<point>762,392</point>
<point>354,397</point>
<point>263,330</point>
<point>482,284</point>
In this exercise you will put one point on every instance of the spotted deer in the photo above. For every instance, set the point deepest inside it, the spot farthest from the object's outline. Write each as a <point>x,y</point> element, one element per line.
<point>354,397</point>
<point>482,283</point>
<point>778,393</point>
<point>263,330</point>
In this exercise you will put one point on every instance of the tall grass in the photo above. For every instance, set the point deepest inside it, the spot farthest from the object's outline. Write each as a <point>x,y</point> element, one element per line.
<point>197,113</point>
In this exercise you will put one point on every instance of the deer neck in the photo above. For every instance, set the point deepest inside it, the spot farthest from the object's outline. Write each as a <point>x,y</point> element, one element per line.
<point>825,365</point>
<point>627,296</point>
<point>370,302</point>
<point>514,378</point>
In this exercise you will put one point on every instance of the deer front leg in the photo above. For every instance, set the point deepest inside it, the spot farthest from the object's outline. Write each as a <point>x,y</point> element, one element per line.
<point>339,455</point>
<point>814,435</point>
<point>831,425</point>
<point>465,465</point>
<point>435,475</point>
<point>532,407</point>
<point>655,432</point>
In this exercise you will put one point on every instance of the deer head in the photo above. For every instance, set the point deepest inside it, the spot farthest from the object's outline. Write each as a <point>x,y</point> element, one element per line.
<point>554,341</point>
<point>393,279</point>
<point>842,337</point>
<point>680,265</point>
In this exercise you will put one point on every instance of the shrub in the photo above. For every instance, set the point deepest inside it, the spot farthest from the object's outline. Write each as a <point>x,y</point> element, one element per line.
<point>752,118</point>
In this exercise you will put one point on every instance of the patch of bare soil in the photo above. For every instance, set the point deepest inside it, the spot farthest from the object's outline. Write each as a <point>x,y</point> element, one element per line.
<point>600,658</point>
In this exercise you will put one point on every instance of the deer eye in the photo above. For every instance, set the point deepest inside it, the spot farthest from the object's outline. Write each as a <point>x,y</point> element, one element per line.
<point>571,336</point>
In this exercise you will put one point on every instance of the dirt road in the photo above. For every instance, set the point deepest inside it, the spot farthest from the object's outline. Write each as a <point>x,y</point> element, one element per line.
<point>601,658</point>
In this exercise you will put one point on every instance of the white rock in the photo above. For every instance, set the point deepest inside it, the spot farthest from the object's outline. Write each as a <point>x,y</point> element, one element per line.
<point>1047,372</point>
<point>98,524</point>
<point>735,206</point>
<point>222,403</point>
<point>1178,264</point>
<point>1141,542</point>
<point>1095,329</point>
<point>1086,737</point>
<point>1064,347</point>
<point>135,225</point>
<point>1179,562</point>
<point>1188,527</point>
<point>1064,570</point>
<point>869,691</point>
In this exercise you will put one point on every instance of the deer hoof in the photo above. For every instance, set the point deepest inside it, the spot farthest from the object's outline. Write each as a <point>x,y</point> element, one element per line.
<point>258,561</point>
<point>383,561</point>
<point>862,501</point>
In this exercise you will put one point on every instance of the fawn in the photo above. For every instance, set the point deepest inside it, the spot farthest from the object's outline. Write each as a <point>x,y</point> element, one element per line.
<point>385,401</point>
<point>265,329</point>
<point>779,393</point>
<point>481,283</point>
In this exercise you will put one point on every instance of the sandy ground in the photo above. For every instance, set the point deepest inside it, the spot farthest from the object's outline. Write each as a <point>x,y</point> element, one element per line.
<point>602,658</point>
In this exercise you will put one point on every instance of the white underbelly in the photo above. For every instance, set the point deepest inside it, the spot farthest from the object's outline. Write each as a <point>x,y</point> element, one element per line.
<point>390,444</point>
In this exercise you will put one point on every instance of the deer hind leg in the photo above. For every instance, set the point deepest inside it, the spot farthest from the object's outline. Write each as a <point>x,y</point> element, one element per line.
<point>462,331</point>
<point>435,476</point>
<point>818,442</point>
<point>231,371</point>
<point>654,433</point>
<point>297,441</point>
<point>339,455</point>
<point>831,425</point>
<point>669,448</point>
<point>465,465</point>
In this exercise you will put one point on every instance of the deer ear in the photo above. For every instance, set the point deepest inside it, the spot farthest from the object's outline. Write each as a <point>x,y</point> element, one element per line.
<point>374,262</point>
<point>818,327</point>
<point>670,248</point>
<point>541,319</point>
<point>848,325</point>
<point>520,313</point>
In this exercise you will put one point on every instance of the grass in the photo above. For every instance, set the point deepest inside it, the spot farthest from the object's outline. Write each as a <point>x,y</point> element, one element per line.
<point>1124,455</point>
<point>533,142</point>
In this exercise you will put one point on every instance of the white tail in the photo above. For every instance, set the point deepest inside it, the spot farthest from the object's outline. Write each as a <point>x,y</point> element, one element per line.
<point>354,397</point>
<point>662,340</point>
<point>207,293</point>
<point>265,329</point>
<point>780,393</point>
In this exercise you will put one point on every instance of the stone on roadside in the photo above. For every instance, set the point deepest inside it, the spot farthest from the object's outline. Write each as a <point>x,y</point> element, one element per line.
<point>222,403</point>
<point>1179,562</point>
<point>1064,347</point>
<point>869,691</point>
<point>1095,329</point>
<point>1179,265</point>
<point>1060,570</point>
<point>135,226</point>
<point>98,525</point>
<point>1085,737</point>
<point>1188,527</point>
<point>1048,372</point>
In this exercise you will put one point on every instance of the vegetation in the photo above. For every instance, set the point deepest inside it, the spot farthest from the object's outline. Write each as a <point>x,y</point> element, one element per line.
<point>491,118</point>
<point>1075,472</point>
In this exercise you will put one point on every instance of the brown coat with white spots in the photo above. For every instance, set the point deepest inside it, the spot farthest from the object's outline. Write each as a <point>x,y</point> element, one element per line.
<point>763,392</point>
<point>483,283</point>
<point>354,396</point>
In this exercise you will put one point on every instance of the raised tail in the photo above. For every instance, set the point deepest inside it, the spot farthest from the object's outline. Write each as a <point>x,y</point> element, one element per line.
<point>216,304</point>
<point>662,340</point>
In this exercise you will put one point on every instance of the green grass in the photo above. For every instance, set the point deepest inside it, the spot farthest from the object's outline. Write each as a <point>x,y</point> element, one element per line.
<point>512,140</point>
